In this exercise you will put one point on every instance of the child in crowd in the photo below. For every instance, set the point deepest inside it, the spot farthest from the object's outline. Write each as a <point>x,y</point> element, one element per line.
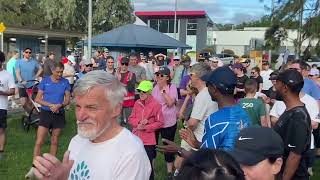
<point>254,106</point>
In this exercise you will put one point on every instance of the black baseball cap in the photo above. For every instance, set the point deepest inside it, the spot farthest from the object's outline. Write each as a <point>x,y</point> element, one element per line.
<point>256,144</point>
<point>290,77</point>
<point>163,70</point>
<point>2,57</point>
<point>223,78</point>
<point>274,75</point>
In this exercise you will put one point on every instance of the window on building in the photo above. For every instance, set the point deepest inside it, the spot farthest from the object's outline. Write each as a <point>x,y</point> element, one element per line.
<point>164,25</point>
<point>192,27</point>
<point>171,26</point>
<point>154,24</point>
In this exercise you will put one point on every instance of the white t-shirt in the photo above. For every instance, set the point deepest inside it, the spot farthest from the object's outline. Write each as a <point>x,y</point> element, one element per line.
<point>267,84</point>
<point>70,70</point>
<point>121,158</point>
<point>6,83</point>
<point>312,107</point>
<point>203,107</point>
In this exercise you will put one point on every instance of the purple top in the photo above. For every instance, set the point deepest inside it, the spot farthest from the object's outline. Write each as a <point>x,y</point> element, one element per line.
<point>169,113</point>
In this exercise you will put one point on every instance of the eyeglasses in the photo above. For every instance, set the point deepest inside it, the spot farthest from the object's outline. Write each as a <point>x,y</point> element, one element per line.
<point>253,72</point>
<point>110,62</point>
<point>140,91</point>
<point>89,65</point>
<point>28,52</point>
<point>125,64</point>
<point>176,59</point>
<point>214,61</point>
<point>161,75</point>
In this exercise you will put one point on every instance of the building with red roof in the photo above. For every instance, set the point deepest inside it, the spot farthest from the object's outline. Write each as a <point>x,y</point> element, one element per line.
<point>194,28</point>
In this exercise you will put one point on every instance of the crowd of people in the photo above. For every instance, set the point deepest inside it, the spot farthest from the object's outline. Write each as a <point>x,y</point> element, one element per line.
<point>238,122</point>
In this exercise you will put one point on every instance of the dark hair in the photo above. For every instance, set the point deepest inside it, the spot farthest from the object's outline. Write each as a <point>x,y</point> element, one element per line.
<point>58,64</point>
<point>303,65</point>
<point>250,86</point>
<point>133,54</point>
<point>27,49</point>
<point>50,53</point>
<point>209,164</point>
<point>2,57</point>
<point>109,57</point>
<point>257,69</point>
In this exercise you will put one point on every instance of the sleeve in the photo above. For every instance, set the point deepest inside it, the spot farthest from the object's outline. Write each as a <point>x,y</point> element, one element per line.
<point>68,88</point>
<point>133,166</point>
<point>260,79</point>
<point>274,112</point>
<point>298,133</point>
<point>41,84</point>
<point>158,122</point>
<point>314,109</point>
<point>315,91</point>
<point>11,83</point>
<point>245,120</point>
<point>133,118</point>
<point>184,82</point>
<point>262,108</point>
<point>198,109</point>
<point>17,66</point>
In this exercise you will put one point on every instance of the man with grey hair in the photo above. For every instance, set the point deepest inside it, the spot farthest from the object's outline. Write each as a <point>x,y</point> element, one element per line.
<point>203,106</point>
<point>102,149</point>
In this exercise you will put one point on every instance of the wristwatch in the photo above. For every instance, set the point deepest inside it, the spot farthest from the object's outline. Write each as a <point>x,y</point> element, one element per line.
<point>180,152</point>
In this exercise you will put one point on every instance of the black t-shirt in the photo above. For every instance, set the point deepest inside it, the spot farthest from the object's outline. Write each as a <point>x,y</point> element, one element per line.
<point>258,80</point>
<point>240,84</point>
<point>294,127</point>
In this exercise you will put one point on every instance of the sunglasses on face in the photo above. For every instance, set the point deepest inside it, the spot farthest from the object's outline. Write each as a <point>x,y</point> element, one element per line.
<point>214,61</point>
<point>139,91</point>
<point>253,72</point>
<point>110,62</point>
<point>125,64</point>
<point>296,69</point>
<point>89,65</point>
<point>176,59</point>
<point>28,52</point>
<point>161,75</point>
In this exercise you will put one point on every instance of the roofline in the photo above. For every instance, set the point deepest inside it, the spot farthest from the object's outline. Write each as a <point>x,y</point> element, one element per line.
<point>133,45</point>
<point>170,13</point>
<point>43,32</point>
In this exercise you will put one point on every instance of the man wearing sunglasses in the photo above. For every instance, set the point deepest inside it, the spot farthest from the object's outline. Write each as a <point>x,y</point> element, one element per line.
<point>27,69</point>
<point>87,67</point>
<point>128,79</point>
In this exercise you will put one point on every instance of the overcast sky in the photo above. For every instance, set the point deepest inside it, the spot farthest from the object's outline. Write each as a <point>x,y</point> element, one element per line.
<point>220,11</point>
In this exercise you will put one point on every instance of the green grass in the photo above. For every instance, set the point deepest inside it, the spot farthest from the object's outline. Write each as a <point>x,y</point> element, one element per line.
<point>19,149</point>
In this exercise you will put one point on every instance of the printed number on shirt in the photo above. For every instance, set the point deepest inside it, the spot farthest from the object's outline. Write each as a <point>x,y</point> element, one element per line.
<point>247,105</point>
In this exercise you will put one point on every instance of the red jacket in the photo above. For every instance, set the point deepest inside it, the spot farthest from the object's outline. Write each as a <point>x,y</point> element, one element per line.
<point>150,110</point>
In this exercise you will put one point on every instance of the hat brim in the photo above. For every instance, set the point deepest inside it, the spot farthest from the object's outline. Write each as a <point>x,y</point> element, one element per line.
<point>246,158</point>
<point>143,89</point>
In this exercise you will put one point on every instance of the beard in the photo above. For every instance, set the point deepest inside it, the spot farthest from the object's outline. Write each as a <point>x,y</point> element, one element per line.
<point>90,133</point>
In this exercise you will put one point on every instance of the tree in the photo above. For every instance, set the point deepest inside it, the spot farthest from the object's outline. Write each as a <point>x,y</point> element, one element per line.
<point>68,15</point>
<point>303,15</point>
<point>72,14</point>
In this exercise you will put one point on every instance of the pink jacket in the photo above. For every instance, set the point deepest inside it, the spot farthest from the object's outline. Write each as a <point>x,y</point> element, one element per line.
<point>150,110</point>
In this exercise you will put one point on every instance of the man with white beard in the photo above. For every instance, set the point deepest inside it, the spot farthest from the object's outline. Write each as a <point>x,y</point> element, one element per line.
<point>102,149</point>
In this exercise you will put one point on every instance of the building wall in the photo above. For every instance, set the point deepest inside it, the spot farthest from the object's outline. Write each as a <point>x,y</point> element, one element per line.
<point>183,30</point>
<point>201,34</point>
<point>237,49</point>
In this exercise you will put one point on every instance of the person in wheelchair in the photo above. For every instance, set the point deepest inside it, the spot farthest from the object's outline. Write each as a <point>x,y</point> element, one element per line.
<point>53,95</point>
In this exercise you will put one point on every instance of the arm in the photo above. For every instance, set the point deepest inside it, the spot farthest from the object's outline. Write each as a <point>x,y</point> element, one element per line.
<point>158,123</point>
<point>133,118</point>
<point>264,121</point>
<point>7,93</point>
<point>66,100</point>
<point>169,101</point>
<point>40,101</point>
<point>183,107</point>
<point>39,72</point>
<point>260,87</point>
<point>273,121</point>
<point>291,165</point>
<point>192,123</point>
<point>18,72</point>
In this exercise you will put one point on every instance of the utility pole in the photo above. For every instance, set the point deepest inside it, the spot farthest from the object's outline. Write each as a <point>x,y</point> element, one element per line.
<point>175,21</point>
<point>89,30</point>
<point>299,45</point>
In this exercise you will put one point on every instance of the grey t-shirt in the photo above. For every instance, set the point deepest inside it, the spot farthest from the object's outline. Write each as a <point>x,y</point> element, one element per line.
<point>139,71</point>
<point>48,67</point>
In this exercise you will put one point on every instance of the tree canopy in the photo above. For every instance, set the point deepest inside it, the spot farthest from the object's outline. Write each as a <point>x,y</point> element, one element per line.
<point>69,15</point>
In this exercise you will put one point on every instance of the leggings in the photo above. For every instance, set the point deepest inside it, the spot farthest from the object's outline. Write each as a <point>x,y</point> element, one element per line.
<point>167,133</point>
